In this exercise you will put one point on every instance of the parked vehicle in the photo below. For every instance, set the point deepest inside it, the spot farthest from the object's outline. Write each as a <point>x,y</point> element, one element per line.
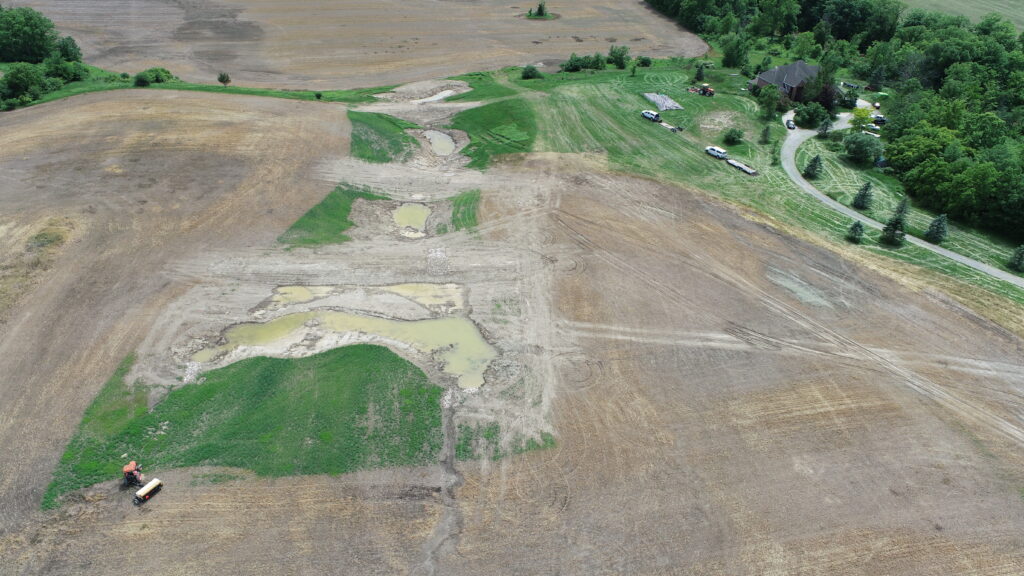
<point>717,152</point>
<point>879,119</point>
<point>651,115</point>
<point>873,128</point>
<point>790,124</point>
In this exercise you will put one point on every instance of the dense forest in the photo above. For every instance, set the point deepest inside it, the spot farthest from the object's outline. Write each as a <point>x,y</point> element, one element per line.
<point>955,136</point>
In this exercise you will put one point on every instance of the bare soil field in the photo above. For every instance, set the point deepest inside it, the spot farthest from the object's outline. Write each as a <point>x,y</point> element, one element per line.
<point>147,179</point>
<point>330,44</point>
<point>725,399</point>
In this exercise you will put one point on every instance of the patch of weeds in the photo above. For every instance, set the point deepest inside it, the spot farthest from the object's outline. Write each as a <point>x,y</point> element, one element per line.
<point>346,409</point>
<point>380,138</point>
<point>464,210</point>
<point>503,127</point>
<point>483,441</point>
<point>327,222</point>
<point>441,229</point>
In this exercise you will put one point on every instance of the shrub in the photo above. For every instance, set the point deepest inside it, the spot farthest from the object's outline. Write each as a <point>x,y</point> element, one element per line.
<point>862,148</point>
<point>937,230</point>
<point>856,233</point>
<point>644,61</point>
<point>22,79</point>
<point>224,78</point>
<point>813,168</point>
<point>733,136</point>
<point>318,95</point>
<point>153,76</point>
<point>531,72</point>
<point>55,67</point>
<point>810,115</point>
<point>69,50</point>
<point>864,197</point>
<point>1017,260</point>
<point>619,56</point>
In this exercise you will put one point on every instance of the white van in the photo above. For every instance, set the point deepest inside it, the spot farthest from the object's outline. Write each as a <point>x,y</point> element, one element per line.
<point>717,152</point>
<point>651,115</point>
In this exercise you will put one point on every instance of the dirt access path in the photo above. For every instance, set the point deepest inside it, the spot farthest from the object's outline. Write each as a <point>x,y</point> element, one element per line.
<point>351,43</point>
<point>794,138</point>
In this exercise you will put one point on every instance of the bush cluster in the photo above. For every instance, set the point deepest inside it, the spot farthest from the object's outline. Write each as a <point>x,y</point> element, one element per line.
<point>153,76</point>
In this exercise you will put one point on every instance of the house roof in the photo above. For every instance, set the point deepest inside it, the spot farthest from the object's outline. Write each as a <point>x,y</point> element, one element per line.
<point>794,74</point>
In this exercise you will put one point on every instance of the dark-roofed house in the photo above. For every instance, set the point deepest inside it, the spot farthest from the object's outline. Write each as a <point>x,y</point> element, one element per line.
<point>790,78</point>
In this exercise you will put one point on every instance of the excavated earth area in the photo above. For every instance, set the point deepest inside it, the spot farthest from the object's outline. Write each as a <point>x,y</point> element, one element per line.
<point>725,400</point>
<point>351,43</point>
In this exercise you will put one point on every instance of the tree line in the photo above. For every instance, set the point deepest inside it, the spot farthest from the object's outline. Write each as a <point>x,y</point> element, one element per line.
<point>43,60</point>
<point>955,131</point>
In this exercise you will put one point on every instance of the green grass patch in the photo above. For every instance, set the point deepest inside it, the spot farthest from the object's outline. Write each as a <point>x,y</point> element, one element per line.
<point>503,127</point>
<point>464,210</point>
<point>346,409</point>
<point>485,86</point>
<point>117,404</point>
<point>327,222</point>
<point>483,441</point>
<point>380,138</point>
<point>354,96</point>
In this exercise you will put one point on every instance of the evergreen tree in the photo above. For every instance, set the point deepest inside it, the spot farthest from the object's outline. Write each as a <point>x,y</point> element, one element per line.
<point>766,135</point>
<point>901,209</point>
<point>894,232</point>
<point>864,197</point>
<point>1017,260</point>
<point>937,230</point>
<point>224,79</point>
<point>542,10</point>
<point>813,168</point>
<point>856,232</point>
<point>824,128</point>
<point>699,76</point>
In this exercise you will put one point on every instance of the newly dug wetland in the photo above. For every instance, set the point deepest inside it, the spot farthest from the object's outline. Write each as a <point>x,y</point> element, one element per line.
<point>478,325</point>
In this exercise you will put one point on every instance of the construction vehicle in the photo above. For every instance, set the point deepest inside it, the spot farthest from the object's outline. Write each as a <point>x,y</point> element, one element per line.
<point>706,90</point>
<point>132,474</point>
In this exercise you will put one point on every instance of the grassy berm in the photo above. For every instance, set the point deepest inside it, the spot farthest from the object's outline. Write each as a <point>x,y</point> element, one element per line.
<point>345,409</point>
